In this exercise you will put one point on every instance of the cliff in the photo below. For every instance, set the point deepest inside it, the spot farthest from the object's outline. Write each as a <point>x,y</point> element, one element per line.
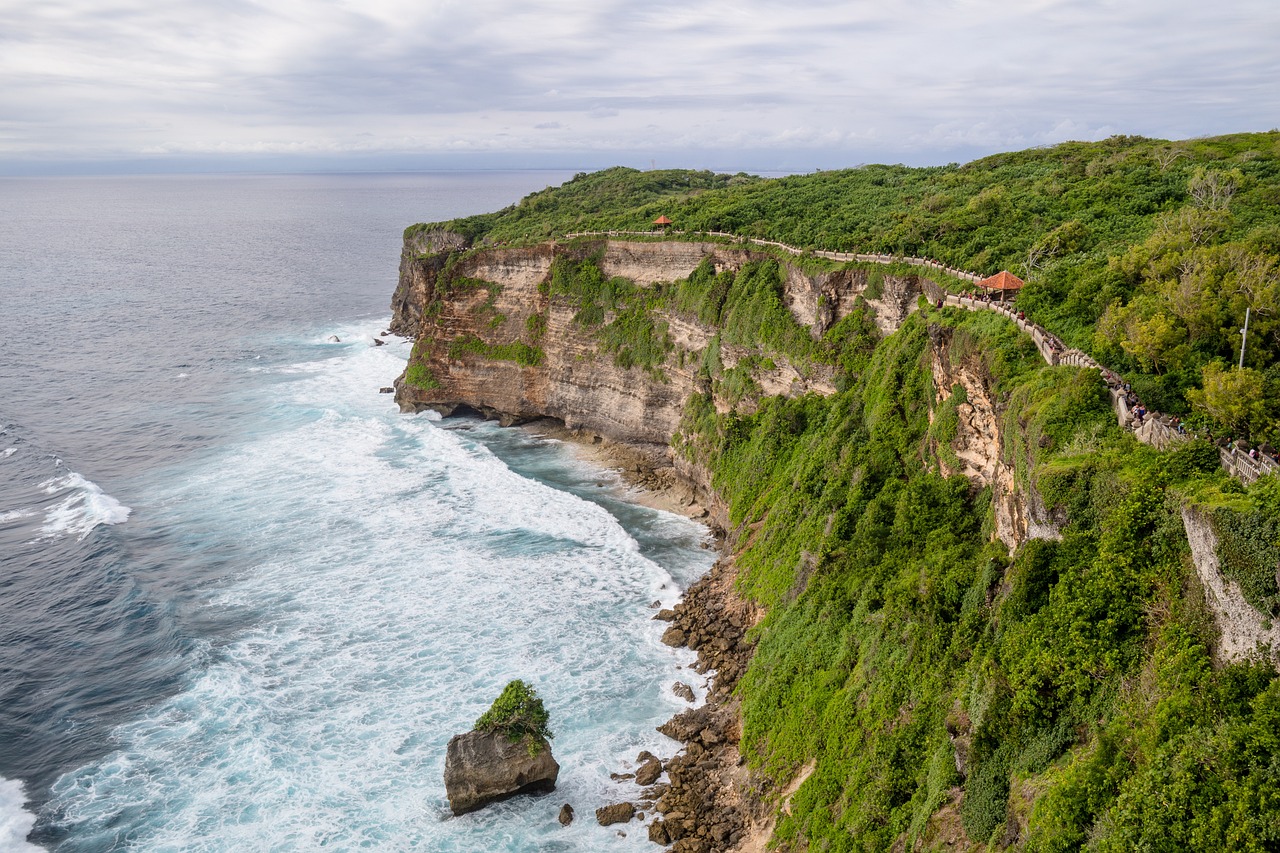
<point>958,593</point>
<point>492,337</point>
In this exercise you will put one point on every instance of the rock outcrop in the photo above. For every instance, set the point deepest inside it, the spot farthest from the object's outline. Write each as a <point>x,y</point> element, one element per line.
<point>1243,632</point>
<point>483,767</point>
<point>979,445</point>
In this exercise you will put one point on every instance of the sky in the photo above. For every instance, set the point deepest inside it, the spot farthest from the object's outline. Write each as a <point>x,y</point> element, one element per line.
<point>181,85</point>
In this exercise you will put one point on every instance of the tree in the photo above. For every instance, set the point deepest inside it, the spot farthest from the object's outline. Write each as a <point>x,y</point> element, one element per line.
<point>1234,397</point>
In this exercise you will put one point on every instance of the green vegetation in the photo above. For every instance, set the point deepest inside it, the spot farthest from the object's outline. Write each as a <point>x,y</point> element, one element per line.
<point>1143,252</point>
<point>518,351</point>
<point>1074,675</point>
<point>420,376</point>
<point>593,202</point>
<point>518,714</point>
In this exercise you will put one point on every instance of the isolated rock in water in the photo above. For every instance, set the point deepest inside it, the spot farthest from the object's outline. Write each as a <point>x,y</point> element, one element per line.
<point>386,389</point>
<point>683,690</point>
<point>482,767</point>
<point>334,339</point>
<point>616,813</point>
<point>566,815</point>
<point>378,343</point>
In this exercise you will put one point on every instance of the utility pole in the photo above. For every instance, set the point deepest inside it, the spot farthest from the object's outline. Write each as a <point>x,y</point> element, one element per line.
<point>1244,336</point>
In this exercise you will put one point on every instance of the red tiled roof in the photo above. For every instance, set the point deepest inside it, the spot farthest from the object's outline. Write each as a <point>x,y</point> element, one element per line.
<point>1003,280</point>
<point>662,220</point>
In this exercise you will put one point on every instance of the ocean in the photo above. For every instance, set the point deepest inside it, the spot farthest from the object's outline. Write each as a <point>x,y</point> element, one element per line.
<point>244,602</point>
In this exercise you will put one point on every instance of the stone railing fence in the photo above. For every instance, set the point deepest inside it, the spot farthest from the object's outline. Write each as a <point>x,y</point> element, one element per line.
<point>1155,429</point>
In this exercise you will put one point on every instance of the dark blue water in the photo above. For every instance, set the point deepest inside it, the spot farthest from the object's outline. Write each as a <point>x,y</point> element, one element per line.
<point>244,601</point>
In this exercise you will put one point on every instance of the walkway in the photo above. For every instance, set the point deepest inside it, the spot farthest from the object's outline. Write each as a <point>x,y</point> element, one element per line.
<point>1155,428</point>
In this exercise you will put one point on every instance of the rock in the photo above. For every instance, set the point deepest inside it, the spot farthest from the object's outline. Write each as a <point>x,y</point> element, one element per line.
<point>482,767</point>
<point>615,813</point>
<point>386,389</point>
<point>379,343</point>
<point>655,604</point>
<point>648,773</point>
<point>673,636</point>
<point>658,833</point>
<point>684,691</point>
<point>665,615</point>
<point>385,333</point>
<point>687,725</point>
<point>621,777</point>
<point>334,339</point>
<point>566,815</point>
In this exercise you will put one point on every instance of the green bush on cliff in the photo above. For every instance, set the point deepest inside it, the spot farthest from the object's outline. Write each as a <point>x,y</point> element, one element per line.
<point>421,377</point>
<point>517,713</point>
<point>518,351</point>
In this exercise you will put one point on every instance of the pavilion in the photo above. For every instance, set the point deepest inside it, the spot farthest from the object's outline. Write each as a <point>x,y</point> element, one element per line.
<point>1002,281</point>
<point>662,222</point>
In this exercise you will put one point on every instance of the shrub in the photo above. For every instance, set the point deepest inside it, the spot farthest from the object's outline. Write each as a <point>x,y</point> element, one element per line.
<point>517,713</point>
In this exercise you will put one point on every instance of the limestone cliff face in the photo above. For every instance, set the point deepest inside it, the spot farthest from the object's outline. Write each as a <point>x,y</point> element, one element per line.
<point>1244,633</point>
<point>498,344</point>
<point>980,448</point>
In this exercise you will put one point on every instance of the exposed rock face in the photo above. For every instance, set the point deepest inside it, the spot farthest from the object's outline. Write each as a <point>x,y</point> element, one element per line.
<point>482,767</point>
<point>574,382</point>
<point>979,445</point>
<point>1244,633</point>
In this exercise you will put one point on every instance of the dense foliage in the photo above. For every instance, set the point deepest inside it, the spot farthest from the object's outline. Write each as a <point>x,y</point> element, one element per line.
<point>1073,678</point>
<point>517,713</point>
<point>1144,252</point>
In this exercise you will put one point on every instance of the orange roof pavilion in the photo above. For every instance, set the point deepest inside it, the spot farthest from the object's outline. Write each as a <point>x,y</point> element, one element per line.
<point>662,220</point>
<point>1003,280</point>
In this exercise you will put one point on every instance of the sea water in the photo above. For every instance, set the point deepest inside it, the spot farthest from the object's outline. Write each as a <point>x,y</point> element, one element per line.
<point>244,602</point>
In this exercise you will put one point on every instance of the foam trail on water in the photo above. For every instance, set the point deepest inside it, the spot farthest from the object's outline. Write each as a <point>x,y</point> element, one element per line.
<point>83,507</point>
<point>396,576</point>
<point>15,820</point>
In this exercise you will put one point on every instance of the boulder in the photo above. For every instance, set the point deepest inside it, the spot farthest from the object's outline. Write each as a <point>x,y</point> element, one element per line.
<point>615,813</point>
<point>386,389</point>
<point>648,772</point>
<point>334,339</point>
<point>683,690</point>
<point>378,343</point>
<point>483,767</point>
<point>566,815</point>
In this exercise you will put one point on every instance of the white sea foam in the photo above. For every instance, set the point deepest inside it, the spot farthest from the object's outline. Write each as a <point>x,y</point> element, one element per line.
<point>83,507</point>
<point>16,514</point>
<point>8,451</point>
<point>15,820</point>
<point>397,574</point>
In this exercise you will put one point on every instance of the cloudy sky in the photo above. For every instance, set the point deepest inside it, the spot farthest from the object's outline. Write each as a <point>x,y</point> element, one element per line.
<point>729,84</point>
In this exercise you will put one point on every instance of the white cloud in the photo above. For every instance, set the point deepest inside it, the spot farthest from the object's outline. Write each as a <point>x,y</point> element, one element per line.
<point>120,78</point>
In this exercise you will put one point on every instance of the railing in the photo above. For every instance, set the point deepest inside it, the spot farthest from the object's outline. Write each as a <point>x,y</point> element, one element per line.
<point>1155,428</point>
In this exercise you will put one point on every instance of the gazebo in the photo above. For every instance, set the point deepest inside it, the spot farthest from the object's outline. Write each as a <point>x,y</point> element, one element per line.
<point>1002,281</point>
<point>662,222</point>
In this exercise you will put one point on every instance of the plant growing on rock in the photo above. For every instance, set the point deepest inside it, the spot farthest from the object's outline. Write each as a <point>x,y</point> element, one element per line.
<point>518,713</point>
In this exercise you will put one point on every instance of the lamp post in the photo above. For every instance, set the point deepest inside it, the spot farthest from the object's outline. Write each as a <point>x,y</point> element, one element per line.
<point>1244,336</point>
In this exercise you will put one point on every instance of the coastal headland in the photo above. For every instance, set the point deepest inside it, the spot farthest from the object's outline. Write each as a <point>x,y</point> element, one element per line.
<point>966,600</point>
